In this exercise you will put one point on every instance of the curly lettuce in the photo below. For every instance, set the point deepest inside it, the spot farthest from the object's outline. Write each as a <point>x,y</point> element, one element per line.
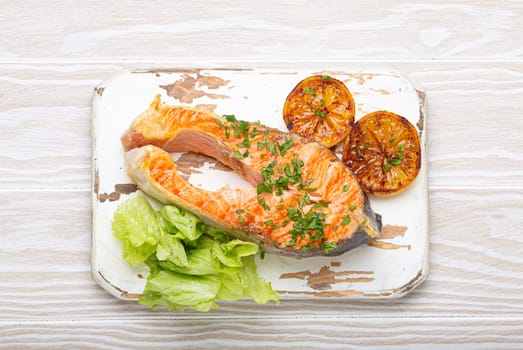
<point>192,265</point>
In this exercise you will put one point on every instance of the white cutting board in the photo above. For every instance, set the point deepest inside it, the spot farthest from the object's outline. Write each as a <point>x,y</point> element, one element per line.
<point>387,268</point>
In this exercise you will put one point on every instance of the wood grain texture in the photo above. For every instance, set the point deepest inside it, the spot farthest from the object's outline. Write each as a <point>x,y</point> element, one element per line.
<point>465,101</point>
<point>294,333</point>
<point>475,264</point>
<point>297,30</point>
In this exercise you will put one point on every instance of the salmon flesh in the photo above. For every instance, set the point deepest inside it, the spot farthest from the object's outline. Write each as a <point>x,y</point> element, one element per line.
<point>303,202</point>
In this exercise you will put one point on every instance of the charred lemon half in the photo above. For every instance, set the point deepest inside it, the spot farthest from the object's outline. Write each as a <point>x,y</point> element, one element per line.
<point>384,152</point>
<point>320,108</point>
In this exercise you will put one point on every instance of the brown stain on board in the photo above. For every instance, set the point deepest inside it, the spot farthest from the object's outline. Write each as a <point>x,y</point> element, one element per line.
<point>158,71</point>
<point>190,162</point>
<point>207,107</point>
<point>387,245</point>
<point>392,231</point>
<point>361,78</point>
<point>381,91</point>
<point>421,122</point>
<point>188,88</point>
<point>389,232</point>
<point>327,294</point>
<point>325,278</point>
<point>123,293</point>
<point>119,189</point>
<point>99,90</point>
<point>382,294</point>
<point>407,287</point>
<point>96,182</point>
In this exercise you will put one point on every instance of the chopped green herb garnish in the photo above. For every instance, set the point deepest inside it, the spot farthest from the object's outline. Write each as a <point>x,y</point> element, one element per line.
<point>325,77</point>
<point>307,198</point>
<point>345,221</point>
<point>310,91</point>
<point>358,150</point>
<point>352,207</point>
<point>272,148</point>
<point>255,132</point>
<point>322,102</point>
<point>319,113</point>
<point>267,223</point>
<point>345,188</point>
<point>401,147</point>
<point>301,202</point>
<point>263,203</point>
<point>284,147</point>
<point>236,128</point>
<point>227,131</point>
<point>230,117</point>
<point>367,144</point>
<point>328,247</point>
<point>240,155</point>
<point>307,247</point>
<point>392,140</point>
<point>239,211</point>
<point>241,220</point>
<point>386,167</point>
<point>320,203</point>
<point>219,122</point>
<point>394,161</point>
<point>263,188</point>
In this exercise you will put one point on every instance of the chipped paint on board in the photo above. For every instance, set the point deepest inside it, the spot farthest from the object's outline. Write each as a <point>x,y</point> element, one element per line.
<point>119,189</point>
<point>421,122</point>
<point>207,107</point>
<point>324,294</point>
<point>99,90</point>
<point>325,278</point>
<point>392,231</point>
<point>389,268</point>
<point>188,88</point>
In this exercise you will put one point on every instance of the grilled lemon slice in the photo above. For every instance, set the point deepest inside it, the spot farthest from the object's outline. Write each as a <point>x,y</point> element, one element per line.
<point>320,108</point>
<point>384,153</point>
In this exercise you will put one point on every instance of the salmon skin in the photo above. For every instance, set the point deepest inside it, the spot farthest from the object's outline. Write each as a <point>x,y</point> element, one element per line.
<point>304,201</point>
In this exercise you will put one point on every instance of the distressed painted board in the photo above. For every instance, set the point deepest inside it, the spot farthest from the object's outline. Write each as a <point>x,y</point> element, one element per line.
<point>388,267</point>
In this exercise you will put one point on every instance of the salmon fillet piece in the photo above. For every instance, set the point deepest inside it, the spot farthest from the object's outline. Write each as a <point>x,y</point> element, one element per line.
<point>304,200</point>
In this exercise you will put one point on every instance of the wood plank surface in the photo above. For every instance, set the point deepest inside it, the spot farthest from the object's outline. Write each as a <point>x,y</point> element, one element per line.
<point>296,30</point>
<point>294,333</point>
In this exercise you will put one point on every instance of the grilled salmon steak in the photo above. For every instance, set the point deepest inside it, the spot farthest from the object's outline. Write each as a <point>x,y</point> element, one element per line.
<point>304,201</point>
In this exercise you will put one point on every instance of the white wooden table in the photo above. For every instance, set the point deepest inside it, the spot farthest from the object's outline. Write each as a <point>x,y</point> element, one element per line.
<point>468,57</point>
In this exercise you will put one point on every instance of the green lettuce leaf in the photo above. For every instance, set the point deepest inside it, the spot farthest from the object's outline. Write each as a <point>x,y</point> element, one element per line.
<point>192,265</point>
<point>260,290</point>
<point>177,291</point>
<point>231,253</point>
<point>185,222</point>
<point>135,224</point>
<point>200,262</point>
<point>171,249</point>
